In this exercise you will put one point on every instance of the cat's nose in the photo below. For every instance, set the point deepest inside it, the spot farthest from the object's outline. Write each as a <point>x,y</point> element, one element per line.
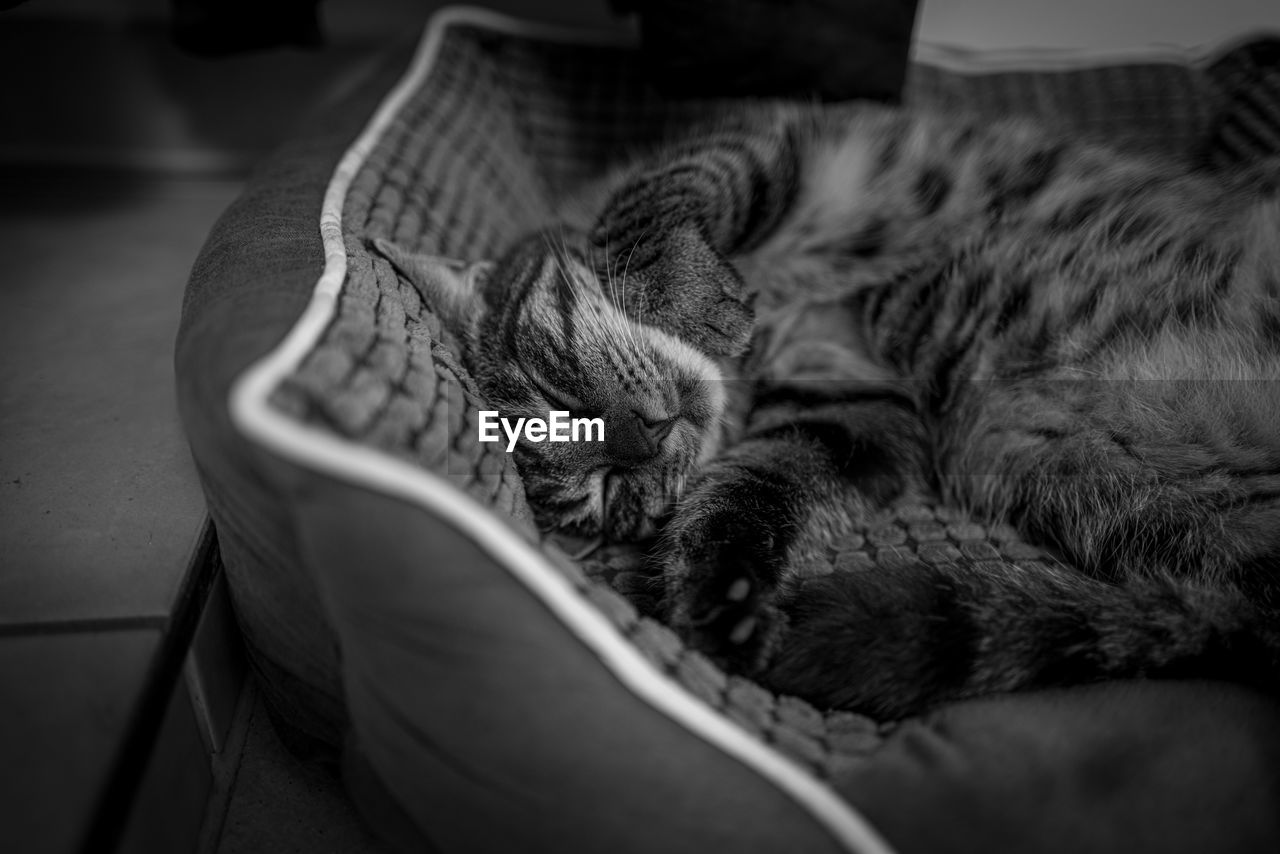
<point>634,438</point>
<point>655,429</point>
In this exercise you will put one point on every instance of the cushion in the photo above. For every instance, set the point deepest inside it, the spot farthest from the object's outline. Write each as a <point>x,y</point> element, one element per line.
<point>491,692</point>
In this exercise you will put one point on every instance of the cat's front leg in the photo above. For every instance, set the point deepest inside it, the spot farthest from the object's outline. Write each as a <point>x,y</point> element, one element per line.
<point>728,552</point>
<point>689,290</point>
<point>667,232</point>
<point>737,546</point>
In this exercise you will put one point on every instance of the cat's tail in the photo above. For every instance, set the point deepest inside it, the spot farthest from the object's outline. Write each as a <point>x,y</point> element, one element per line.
<point>895,642</point>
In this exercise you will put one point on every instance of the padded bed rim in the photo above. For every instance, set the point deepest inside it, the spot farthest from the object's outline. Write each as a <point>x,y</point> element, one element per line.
<point>994,61</point>
<point>327,454</point>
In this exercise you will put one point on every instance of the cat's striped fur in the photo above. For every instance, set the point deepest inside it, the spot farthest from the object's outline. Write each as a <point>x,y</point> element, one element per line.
<point>1084,343</point>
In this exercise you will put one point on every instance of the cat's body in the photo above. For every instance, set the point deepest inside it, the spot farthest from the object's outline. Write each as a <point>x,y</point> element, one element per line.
<point>1083,343</point>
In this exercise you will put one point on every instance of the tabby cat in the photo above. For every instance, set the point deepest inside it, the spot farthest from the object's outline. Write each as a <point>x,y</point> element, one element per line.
<point>798,317</point>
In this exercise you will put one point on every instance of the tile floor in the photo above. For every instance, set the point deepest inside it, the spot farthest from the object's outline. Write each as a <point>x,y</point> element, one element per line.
<point>100,513</point>
<point>267,799</point>
<point>109,183</point>
<point>100,510</point>
<point>68,698</point>
<point>101,503</point>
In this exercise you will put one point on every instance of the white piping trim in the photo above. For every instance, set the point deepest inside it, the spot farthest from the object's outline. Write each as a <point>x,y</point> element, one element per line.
<point>318,450</point>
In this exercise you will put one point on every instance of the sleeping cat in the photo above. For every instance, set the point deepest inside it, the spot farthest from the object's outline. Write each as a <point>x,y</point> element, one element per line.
<point>798,317</point>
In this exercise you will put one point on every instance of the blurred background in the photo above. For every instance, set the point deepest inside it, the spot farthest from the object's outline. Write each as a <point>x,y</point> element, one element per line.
<point>101,81</point>
<point>104,83</point>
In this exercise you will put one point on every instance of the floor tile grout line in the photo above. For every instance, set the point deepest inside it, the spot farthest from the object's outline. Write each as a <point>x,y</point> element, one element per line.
<point>79,626</point>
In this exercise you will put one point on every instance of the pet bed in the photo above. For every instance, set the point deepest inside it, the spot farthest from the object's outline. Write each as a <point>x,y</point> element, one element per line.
<point>492,693</point>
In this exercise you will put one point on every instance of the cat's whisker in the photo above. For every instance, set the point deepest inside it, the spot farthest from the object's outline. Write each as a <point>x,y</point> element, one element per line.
<point>556,257</point>
<point>615,296</point>
<point>607,325</point>
<point>627,267</point>
<point>570,273</point>
<point>610,269</point>
<point>607,321</point>
<point>617,321</point>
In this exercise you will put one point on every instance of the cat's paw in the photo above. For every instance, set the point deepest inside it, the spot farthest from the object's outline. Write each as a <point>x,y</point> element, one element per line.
<point>725,572</point>
<point>670,276</point>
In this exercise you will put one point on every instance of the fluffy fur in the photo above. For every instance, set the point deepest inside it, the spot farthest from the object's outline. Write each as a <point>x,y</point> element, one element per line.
<point>791,320</point>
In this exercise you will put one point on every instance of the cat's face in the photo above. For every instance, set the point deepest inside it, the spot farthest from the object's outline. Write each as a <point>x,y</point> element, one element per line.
<point>544,333</point>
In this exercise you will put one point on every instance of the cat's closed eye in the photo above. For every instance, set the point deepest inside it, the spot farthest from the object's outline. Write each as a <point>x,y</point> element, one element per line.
<point>556,398</point>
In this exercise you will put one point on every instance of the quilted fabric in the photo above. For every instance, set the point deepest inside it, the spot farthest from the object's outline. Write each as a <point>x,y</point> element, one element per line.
<point>477,156</point>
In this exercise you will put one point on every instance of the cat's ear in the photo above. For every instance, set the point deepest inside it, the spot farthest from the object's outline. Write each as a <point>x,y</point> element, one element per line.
<point>449,287</point>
